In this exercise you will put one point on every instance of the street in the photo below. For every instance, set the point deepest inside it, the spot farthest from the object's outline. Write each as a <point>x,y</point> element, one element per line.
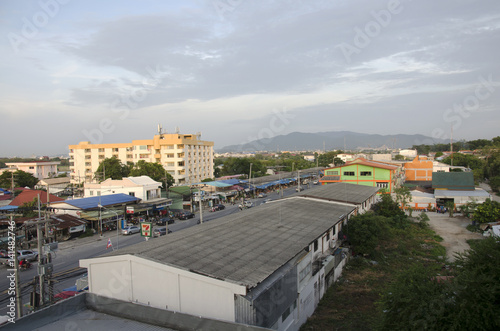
<point>66,259</point>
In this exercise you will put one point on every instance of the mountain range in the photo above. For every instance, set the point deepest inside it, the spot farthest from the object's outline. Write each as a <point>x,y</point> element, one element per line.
<point>344,140</point>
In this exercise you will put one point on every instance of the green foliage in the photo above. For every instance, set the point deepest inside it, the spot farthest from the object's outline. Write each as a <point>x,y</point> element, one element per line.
<point>153,170</point>
<point>495,183</point>
<point>21,179</point>
<point>465,160</point>
<point>387,207</point>
<point>207,180</point>
<point>403,196</point>
<point>477,285</point>
<point>327,158</point>
<point>30,209</point>
<point>416,301</point>
<point>111,168</point>
<point>488,211</point>
<point>423,220</point>
<point>450,205</point>
<point>364,232</point>
<point>438,154</point>
<point>237,166</point>
<point>399,157</point>
<point>468,209</point>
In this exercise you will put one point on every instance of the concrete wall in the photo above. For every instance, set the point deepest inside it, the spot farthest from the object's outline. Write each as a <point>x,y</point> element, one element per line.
<point>134,279</point>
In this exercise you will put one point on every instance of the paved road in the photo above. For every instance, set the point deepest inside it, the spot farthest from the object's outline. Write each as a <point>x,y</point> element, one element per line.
<point>66,261</point>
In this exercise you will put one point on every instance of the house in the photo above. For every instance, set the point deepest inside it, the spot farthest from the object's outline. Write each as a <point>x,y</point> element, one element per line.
<point>97,210</point>
<point>259,267</point>
<point>29,195</point>
<point>457,187</point>
<point>39,169</point>
<point>142,187</point>
<point>408,153</point>
<point>364,172</point>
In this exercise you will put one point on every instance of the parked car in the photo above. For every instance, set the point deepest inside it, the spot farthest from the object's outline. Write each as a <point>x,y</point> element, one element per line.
<point>158,232</point>
<point>165,221</point>
<point>130,230</point>
<point>316,182</point>
<point>218,207</point>
<point>29,255</point>
<point>184,215</point>
<point>262,195</point>
<point>245,204</point>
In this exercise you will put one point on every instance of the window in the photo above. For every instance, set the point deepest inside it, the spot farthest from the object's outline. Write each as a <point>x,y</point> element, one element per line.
<point>365,173</point>
<point>101,150</point>
<point>316,245</point>
<point>328,235</point>
<point>335,173</point>
<point>348,173</point>
<point>115,149</point>
<point>382,185</point>
<point>31,167</point>
<point>304,272</point>
<point>91,192</point>
<point>131,194</point>
<point>285,314</point>
<point>334,230</point>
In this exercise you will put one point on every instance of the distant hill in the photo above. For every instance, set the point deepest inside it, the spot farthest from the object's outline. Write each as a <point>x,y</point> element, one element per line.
<point>331,140</point>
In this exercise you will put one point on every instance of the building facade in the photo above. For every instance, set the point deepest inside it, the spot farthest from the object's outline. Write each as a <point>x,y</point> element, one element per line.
<point>368,173</point>
<point>142,187</point>
<point>184,156</point>
<point>39,169</point>
<point>420,169</point>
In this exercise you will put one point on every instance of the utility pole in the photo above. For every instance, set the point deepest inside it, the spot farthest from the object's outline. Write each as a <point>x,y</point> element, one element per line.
<point>47,215</point>
<point>41,279</point>
<point>201,208</point>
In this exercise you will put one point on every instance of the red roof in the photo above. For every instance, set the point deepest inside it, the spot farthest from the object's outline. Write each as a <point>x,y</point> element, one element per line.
<point>376,164</point>
<point>29,195</point>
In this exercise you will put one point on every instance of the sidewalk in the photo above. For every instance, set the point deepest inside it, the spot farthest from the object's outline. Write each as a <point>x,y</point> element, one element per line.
<point>69,244</point>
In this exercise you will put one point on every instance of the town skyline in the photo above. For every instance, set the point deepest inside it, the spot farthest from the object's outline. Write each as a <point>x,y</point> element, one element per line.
<point>238,71</point>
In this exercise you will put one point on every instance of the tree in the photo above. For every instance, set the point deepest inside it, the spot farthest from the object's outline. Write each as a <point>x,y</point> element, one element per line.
<point>438,154</point>
<point>338,161</point>
<point>364,232</point>
<point>450,205</point>
<point>111,168</point>
<point>399,157</point>
<point>403,196</point>
<point>488,211</point>
<point>153,170</point>
<point>386,206</point>
<point>325,159</point>
<point>21,179</point>
<point>29,208</point>
<point>495,183</point>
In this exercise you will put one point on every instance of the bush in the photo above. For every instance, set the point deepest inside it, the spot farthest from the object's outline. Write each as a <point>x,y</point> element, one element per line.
<point>365,231</point>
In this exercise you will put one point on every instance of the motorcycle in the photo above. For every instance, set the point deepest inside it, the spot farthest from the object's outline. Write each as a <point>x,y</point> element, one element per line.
<point>24,266</point>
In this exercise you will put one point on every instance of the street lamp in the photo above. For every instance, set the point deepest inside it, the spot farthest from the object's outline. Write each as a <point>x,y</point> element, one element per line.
<point>117,223</point>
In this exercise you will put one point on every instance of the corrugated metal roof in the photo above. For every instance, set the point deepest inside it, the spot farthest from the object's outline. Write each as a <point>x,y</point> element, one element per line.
<point>247,247</point>
<point>453,180</point>
<point>342,192</point>
<point>104,200</point>
<point>455,193</point>
<point>142,180</point>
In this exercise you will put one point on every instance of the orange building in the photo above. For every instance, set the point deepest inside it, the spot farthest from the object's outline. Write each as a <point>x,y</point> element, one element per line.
<point>418,170</point>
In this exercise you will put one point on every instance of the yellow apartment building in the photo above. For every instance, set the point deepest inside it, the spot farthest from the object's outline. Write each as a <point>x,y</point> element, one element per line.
<point>184,156</point>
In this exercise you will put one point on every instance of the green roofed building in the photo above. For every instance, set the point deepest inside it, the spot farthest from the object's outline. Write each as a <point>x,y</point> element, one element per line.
<point>463,181</point>
<point>365,172</point>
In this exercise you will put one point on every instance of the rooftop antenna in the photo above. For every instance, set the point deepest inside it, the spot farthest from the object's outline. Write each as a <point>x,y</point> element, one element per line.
<point>198,135</point>
<point>160,129</point>
<point>177,130</point>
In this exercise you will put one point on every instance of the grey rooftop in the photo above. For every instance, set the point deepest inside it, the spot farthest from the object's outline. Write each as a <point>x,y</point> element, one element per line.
<point>246,247</point>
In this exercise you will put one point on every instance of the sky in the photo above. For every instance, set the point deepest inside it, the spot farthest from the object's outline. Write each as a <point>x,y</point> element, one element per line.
<point>237,70</point>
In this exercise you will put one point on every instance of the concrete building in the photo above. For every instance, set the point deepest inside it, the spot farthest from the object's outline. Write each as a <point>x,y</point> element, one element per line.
<point>408,153</point>
<point>184,156</point>
<point>419,170</point>
<point>368,173</point>
<point>142,187</point>
<point>259,267</point>
<point>39,169</point>
<point>381,157</point>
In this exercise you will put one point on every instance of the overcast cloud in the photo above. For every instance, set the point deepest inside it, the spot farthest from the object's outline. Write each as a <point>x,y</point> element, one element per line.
<point>236,70</point>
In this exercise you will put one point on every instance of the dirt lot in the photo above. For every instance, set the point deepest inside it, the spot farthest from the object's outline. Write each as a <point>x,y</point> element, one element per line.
<point>453,232</point>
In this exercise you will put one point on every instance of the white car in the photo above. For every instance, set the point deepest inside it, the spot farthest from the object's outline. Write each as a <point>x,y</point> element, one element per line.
<point>29,255</point>
<point>130,230</point>
<point>246,204</point>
